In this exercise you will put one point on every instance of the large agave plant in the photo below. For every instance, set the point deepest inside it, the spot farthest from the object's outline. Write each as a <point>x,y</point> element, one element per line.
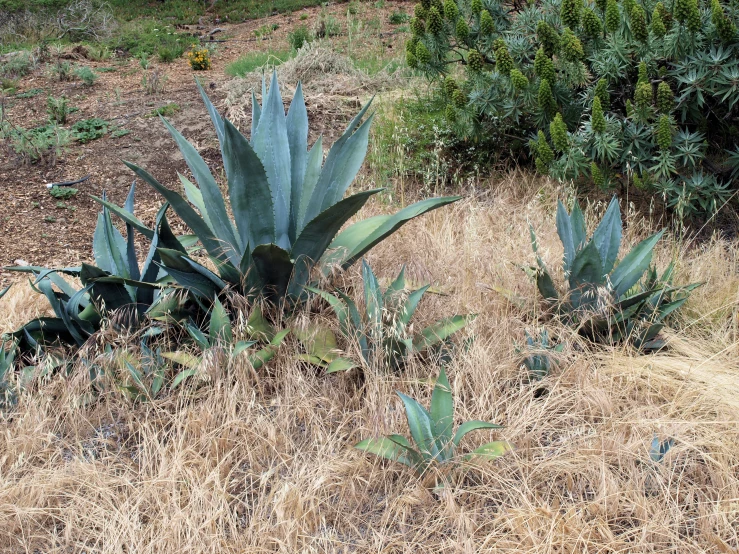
<point>288,205</point>
<point>114,285</point>
<point>607,300</point>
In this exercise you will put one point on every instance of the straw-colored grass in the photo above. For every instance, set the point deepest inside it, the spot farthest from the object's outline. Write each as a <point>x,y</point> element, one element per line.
<point>245,465</point>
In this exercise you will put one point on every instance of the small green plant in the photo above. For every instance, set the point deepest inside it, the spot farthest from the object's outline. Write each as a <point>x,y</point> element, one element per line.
<point>327,26</point>
<point>539,358</point>
<point>168,110</point>
<point>86,75</point>
<point>431,430</point>
<point>61,70</point>
<point>398,18</point>
<point>57,109</point>
<point>89,129</point>
<point>41,144</point>
<point>49,219</point>
<point>383,330</point>
<point>265,30</point>
<point>168,54</point>
<point>199,59</point>
<point>8,86</point>
<point>608,301</point>
<point>144,61</point>
<point>118,133</point>
<point>30,93</point>
<point>221,336</point>
<point>63,193</point>
<point>300,36</point>
<point>99,52</point>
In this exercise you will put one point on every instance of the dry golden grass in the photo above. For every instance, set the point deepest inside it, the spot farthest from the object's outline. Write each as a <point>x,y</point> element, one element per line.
<point>240,465</point>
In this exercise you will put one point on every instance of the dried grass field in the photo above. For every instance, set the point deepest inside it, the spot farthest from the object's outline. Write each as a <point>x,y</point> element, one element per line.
<point>246,463</point>
<point>256,461</point>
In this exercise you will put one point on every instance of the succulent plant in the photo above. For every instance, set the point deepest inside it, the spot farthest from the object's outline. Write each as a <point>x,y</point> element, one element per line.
<point>288,204</point>
<point>609,300</point>
<point>383,330</point>
<point>113,288</point>
<point>539,358</point>
<point>432,433</point>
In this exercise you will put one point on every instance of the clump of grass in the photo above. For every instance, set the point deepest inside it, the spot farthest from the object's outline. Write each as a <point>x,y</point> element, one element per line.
<point>254,60</point>
<point>165,111</point>
<point>398,18</point>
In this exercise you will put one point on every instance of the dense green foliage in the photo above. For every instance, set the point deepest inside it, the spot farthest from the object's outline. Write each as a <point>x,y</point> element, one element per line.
<point>609,300</point>
<point>667,80</point>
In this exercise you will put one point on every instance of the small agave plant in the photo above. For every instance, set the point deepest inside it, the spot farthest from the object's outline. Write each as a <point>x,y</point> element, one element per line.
<point>432,434</point>
<point>114,286</point>
<point>538,359</point>
<point>222,335</point>
<point>382,331</point>
<point>288,204</point>
<point>607,300</point>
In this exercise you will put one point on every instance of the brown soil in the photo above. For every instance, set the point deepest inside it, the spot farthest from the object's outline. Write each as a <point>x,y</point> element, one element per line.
<point>34,229</point>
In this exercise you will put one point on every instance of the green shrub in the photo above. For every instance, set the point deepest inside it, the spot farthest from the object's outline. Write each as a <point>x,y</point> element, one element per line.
<point>86,75</point>
<point>89,129</point>
<point>18,65</point>
<point>569,52</point>
<point>398,18</point>
<point>608,300</point>
<point>61,70</point>
<point>41,144</point>
<point>298,37</point>
<point>432,433</point>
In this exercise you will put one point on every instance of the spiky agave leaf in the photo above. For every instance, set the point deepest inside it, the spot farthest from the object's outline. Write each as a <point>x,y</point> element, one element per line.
<point>288,207</point>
